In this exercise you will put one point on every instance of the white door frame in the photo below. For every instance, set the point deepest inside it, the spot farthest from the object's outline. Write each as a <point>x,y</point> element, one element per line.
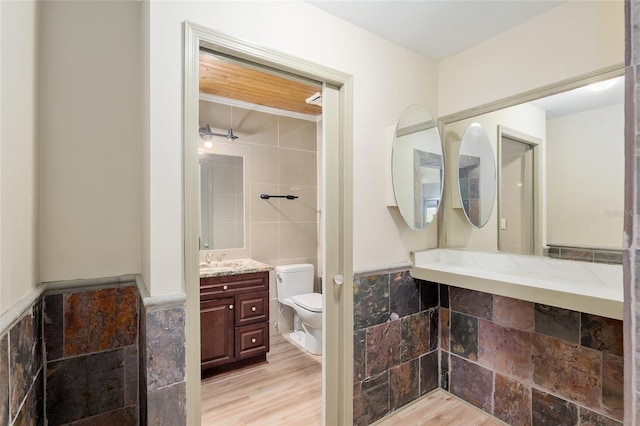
<point>337,217</point>
<point>539,208</point>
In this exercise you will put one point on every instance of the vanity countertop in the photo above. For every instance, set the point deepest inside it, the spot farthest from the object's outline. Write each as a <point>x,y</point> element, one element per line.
<point>232,267</point>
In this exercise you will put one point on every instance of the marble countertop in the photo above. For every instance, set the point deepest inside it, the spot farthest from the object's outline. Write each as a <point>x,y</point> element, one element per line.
<point>580,286</point>
<point>232,267</point>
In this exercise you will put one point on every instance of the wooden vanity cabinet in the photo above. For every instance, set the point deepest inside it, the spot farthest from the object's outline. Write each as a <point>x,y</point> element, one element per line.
<point>234,321</point>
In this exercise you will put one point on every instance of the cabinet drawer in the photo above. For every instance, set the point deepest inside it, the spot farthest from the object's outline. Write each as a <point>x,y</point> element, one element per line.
<point>252,340</point>
<point>215,287</point>
<point>252,308</point>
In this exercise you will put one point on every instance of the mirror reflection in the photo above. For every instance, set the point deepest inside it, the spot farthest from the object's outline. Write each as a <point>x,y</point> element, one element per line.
<point>560,167</point>
<point>476,175</point>
<point>221,202</point>
<point>417,167</point>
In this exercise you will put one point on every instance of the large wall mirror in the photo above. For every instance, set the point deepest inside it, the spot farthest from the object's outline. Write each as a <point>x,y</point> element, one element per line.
<point>476,175</point>
<point>222,210</point>
<point>560,167</point>
<point>417,167</point>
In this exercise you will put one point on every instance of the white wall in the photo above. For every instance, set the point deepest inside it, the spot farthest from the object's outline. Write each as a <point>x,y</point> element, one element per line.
<point>18,152</point>
<point>90,121</point>
<point>386,80</point>
<point>585,175</point>
<point>572,39</point>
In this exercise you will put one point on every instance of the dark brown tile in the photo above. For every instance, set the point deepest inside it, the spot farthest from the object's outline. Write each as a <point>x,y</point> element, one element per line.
<point>471,382</point>
<point>142,359</point>
<point>567,369</point>
<point>513,313</point>
<point>131,375</point>
<point>25,357</point>
<point>428,294</point>
<point>470,302</point>
<point>359,355</point>
<point>613,385</point>
<point>370,301</point>
<point>464,336</point>
<point>505,350</point>
<point>4,379</point>
<point>444,329</point>
<point>584,255</point>
<point>127,416</point>
<point>371,399</point>
<point>549,410</point>
<point>608,257</point>
<point>557,322</point>
<point>168,405</point>
<point>54,326</point>
<point>553,252</point>
<point>512,401</point>
<point>84,386</point>
<point>404,295</point>
<point>429,372</point>
<point>444,296</point>
<point>383,347</point>
<point>404,384</point>
<point>444,370</point>
<point>591,418</point>
<point>165,347</point>
<point>31,413</point>
<point>100,320</point>
<point>434,320</point>
<point>603,334</point>
<point>415,336</point>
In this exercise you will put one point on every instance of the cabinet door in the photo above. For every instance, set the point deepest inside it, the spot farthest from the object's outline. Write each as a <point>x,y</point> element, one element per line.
<point>216,332</point>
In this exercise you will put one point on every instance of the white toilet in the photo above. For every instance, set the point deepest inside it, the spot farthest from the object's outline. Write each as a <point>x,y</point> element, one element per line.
<point>295,289</point>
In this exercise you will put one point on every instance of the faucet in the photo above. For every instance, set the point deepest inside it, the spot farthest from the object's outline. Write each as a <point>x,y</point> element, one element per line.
<point>220,256</point>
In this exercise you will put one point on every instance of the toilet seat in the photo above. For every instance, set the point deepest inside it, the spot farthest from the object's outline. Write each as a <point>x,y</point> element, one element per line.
<point>310,301</point>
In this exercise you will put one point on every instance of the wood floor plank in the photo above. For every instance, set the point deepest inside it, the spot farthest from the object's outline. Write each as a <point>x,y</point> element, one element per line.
<point>287,390</point>
<point>439,408</point>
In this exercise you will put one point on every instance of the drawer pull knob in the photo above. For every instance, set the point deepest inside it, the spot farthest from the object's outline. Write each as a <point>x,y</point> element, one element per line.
<point>230,306</point>
<point>225,287</point>
<point>253,309</point>
<point>253,340</point>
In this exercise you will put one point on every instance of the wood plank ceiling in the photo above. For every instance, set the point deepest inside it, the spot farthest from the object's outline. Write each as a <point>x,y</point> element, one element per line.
<point>226,79</point>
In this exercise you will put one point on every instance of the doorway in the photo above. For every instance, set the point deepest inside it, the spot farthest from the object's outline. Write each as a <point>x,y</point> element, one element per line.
<point>519,193</point>
<point>516,197</point>
<point>336,206</point>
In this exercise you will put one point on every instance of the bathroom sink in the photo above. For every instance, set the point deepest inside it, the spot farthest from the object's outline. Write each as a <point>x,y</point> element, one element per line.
<point>228,263</point>
<point>216,269</point>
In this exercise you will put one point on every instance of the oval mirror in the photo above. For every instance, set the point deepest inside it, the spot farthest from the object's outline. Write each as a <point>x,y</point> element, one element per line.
<point>417,167</point>
<point>476,175</point>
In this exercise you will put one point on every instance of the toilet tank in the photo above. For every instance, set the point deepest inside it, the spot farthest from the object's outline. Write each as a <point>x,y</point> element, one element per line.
<point>292,280</point>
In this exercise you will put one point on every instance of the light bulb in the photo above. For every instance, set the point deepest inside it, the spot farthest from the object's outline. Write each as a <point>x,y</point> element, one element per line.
<point>603,85</point>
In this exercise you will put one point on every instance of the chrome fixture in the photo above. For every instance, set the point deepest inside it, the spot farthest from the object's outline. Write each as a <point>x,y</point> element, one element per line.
<point>206,133</point>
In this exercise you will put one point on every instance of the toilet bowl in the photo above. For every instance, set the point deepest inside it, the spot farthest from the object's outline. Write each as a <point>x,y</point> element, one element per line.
<point>295,289</point>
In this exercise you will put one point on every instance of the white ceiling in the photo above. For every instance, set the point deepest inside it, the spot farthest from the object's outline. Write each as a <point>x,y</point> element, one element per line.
<point>441,28</point>
<point>436,28</point>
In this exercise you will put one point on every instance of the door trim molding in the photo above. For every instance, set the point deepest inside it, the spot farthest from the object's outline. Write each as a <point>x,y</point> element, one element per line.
<point>338,401</point>
<point>539,168</point>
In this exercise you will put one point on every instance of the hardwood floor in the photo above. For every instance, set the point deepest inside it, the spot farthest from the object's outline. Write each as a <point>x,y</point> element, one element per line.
<point>439,408</point>
<point>287,391</point>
